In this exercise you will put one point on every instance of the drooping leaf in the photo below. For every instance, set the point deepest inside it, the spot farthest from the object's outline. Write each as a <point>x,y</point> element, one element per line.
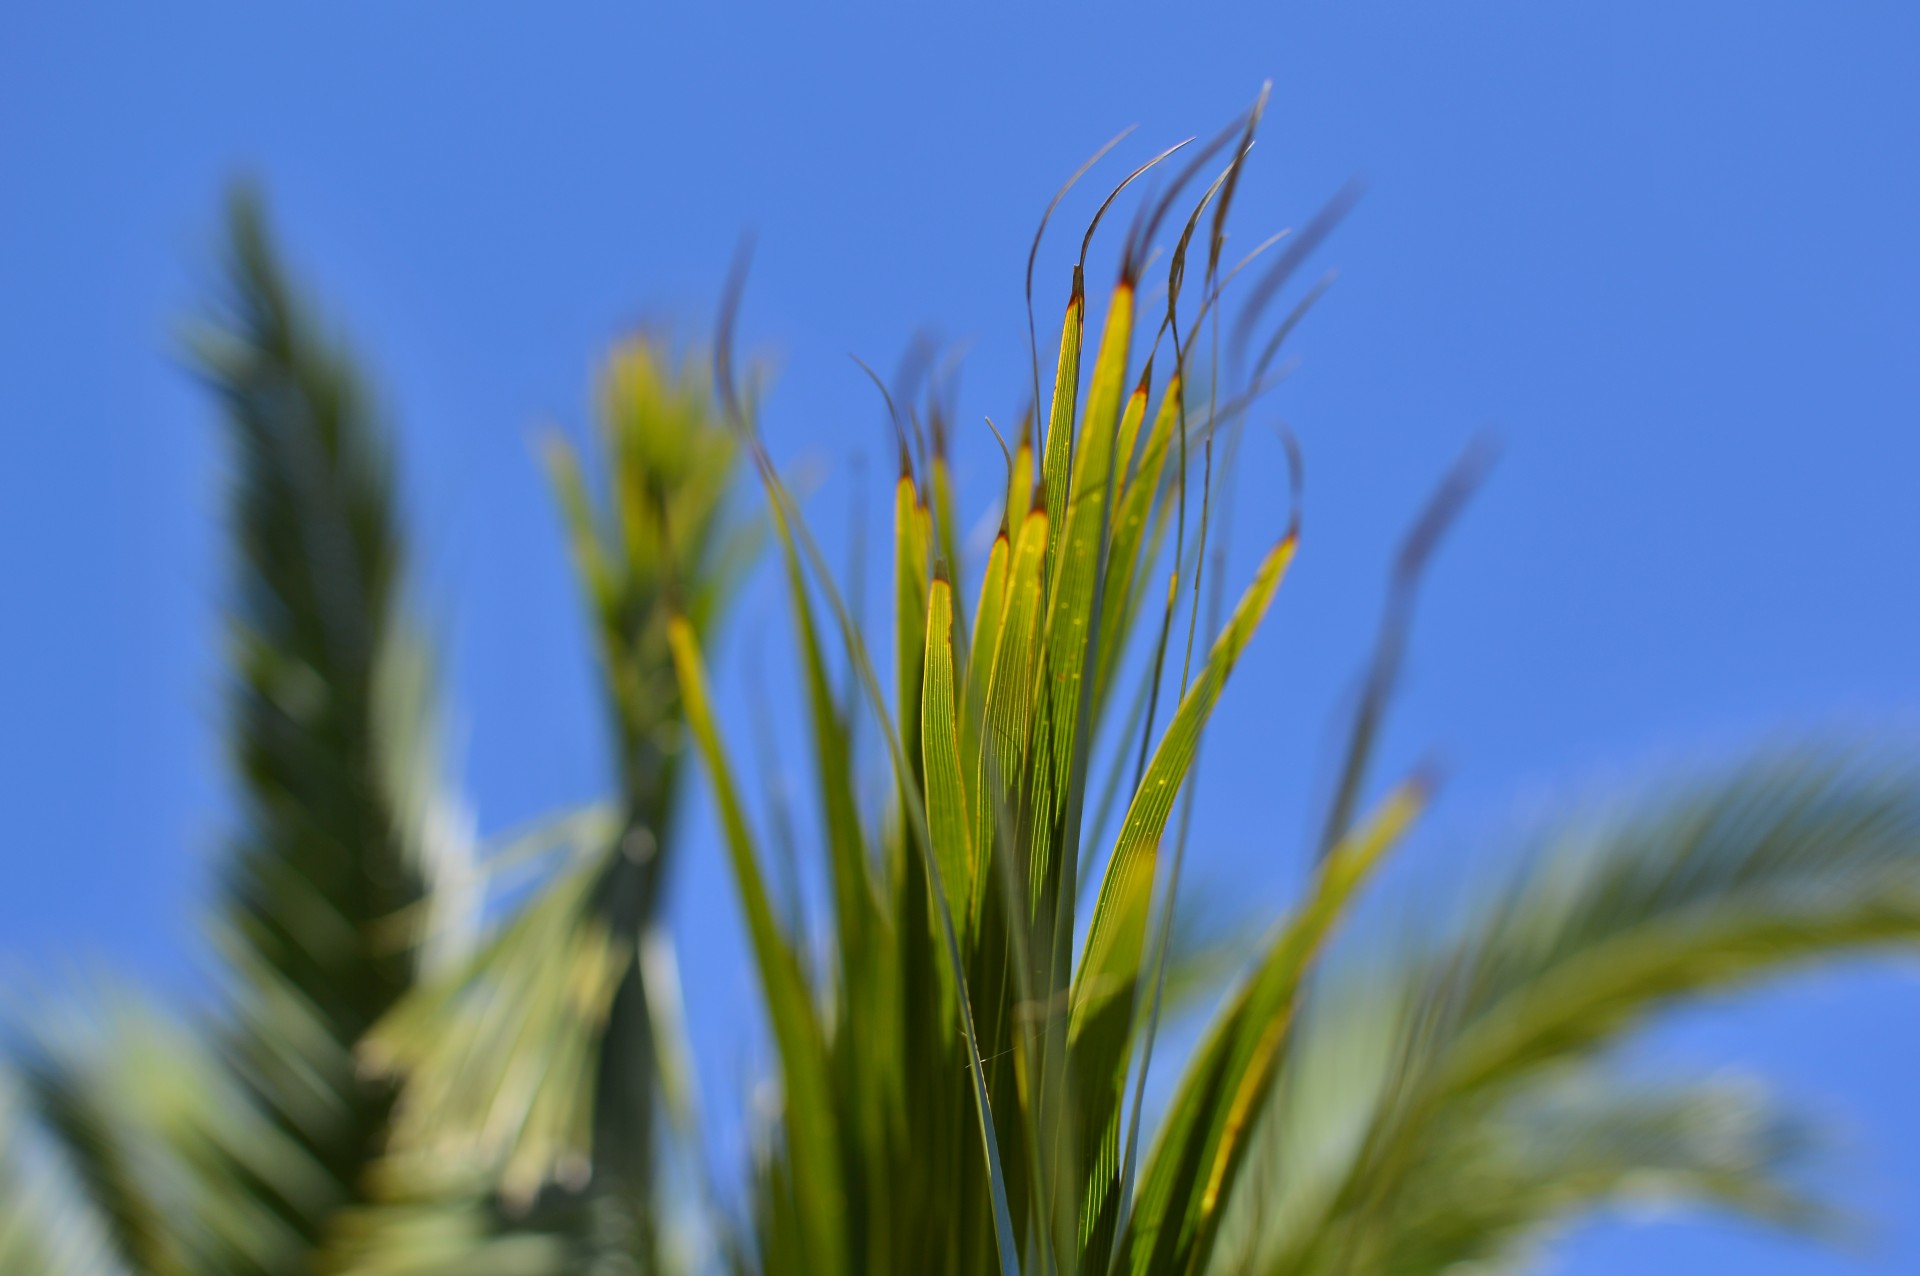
<point>1101,1027</point>
<point>1413,1038</point>
<point>812,1144</point>
<point>1202,1140</point>
<point>1117,932</point>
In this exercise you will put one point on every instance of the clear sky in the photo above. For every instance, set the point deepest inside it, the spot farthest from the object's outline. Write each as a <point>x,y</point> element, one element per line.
<point>1666,251</point>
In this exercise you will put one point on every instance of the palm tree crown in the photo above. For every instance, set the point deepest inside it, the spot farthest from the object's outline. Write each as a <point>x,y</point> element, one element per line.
<point>397,1080</point>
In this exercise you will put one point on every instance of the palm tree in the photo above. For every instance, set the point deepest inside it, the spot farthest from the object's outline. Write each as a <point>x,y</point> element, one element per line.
<point>580,990</point>
<point>238,1143</point>
<point>396,1082</point>
<point>258,1139</point>
<point>962,1095</point>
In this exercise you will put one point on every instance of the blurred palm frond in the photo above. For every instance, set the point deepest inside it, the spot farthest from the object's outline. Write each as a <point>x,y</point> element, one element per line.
<point>1458,1042</point>
<point>543,1062</point>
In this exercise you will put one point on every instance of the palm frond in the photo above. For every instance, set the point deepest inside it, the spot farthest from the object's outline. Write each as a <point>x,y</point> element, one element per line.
<point>181,1172</point>
<point>954,1002</point>
<point>49,1225</point>
<point>975,1070</point>
<point>541,1063</point>
<point>398,1084</point>
<point>1585,1140</point>
<point>1606,919</point>
<point>349,862</point>
<point>112,1122</point>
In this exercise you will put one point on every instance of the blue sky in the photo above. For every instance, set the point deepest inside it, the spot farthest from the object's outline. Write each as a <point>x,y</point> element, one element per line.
<point>1665,252</point>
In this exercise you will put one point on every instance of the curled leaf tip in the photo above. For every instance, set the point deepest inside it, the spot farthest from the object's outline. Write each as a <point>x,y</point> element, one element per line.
<point>731,296</point>
<point>1445,506</point>
<point>904,450</point>
<point>1298,250</point>
<point>1425,781</point>
<point>1033,253</point>
<point>1134,258</point>
<point>1086,241</point>
<point>1217,238</point>
<point>1296,480</point>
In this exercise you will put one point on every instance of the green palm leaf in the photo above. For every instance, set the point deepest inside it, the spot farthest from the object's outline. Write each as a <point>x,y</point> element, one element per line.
<point>1587,1140</point>
<point>544,1060</point>
<point>347,872</point>
<point>1608,918</point>
<point>343,831</point>
<point>48,1226</point>
<point>393,1088</point>
<point>812,1145</point>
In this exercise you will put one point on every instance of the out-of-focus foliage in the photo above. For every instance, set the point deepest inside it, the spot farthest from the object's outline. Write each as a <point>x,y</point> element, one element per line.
<point>344,829</point>
<point>543,1063</point>
<point>252,1139</point>
<point>399,1083</point>
<point>1449,1087</point>
<point>47,1227</point>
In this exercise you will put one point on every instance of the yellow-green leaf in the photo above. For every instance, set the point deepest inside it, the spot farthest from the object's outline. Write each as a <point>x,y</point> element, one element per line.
<point>1202,1139</point>
<point>811,1137</point>
<point>1117,933</point>
<point>947,814</point>
<point>1126,564</point>
<point>1011,684</point>
<point>1076,562</point>
<point>1058,456</point>
<point>910,548</point>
